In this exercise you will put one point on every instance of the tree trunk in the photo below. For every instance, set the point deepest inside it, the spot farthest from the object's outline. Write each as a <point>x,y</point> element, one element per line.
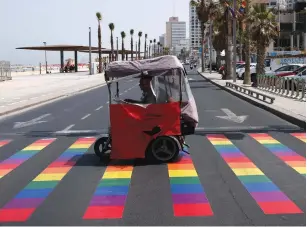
<point>247,74</point>
<point>145,49</point>
<point>261,58</point>
<point>149,51</point>
<point>241,41</point>
<point>139,48</point>
<point>123,50</point>
<point>131,49</point>
<point>112,45</point>
<point>218,59</point>
<point>99,49</point>
<point>202,30</point>
<point>229,56</point>
<point>258,58</point>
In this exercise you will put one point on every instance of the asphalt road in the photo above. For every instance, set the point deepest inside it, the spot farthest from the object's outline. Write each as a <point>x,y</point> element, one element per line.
<point>238,180</point>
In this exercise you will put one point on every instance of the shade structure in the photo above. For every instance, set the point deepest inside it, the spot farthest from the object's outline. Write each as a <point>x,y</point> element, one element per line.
<point>58,48</point>
<point>109,51</point>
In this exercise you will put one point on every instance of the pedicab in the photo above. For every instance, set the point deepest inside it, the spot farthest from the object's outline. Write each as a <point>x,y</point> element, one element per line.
<point>152,115</point>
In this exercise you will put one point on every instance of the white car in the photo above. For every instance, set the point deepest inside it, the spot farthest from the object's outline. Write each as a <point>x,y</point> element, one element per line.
<point>241,70</point>
<point>284,69</point>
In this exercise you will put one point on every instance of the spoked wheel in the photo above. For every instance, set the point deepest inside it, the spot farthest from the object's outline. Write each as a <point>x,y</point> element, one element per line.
<point>100,148</point>
<point>164,149</point>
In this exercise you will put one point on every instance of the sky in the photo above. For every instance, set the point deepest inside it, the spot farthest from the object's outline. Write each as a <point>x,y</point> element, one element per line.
<point>32,22</point>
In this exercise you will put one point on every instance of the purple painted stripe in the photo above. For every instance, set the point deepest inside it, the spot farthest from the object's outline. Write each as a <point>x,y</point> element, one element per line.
<point>189,198</point>
<point>14,161</point>
<point>115,200</point>
<point>24,203</point>
<point>232,154</point>
<point>274,196</point>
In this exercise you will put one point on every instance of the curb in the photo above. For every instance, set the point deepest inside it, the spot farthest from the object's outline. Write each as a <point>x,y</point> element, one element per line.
<point>48,100</point>
<point>300,123</point>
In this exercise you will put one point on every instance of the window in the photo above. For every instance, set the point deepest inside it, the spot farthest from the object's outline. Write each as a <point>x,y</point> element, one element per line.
<point>283,68</point>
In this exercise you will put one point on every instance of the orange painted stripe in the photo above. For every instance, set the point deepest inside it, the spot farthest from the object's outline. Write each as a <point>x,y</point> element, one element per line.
<point>242,165</point>
<point>174,166</point>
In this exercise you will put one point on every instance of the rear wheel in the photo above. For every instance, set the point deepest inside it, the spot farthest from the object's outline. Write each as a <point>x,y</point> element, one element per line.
<point>164,149</point>
<point>100,148</point>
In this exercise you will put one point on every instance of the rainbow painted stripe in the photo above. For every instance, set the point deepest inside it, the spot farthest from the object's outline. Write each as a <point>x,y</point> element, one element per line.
<point>291,158</point>
<point>300,136</point>
<point>22,156</point>
<point>189,198</point>
<point>266,194</point>
<point>4,142</point>
<point>20,208</point>
<point>108,201</point>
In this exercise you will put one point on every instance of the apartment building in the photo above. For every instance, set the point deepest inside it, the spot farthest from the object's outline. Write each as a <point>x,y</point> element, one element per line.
<point>175,31</point>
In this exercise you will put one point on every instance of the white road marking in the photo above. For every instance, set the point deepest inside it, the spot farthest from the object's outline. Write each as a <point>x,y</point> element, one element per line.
<point>100,107</point>
<point>107,102</point>
<point>34,98</point>
<point>86,116</point>
<point>31,122</point>
<point>68,127</point>
<point>120,93</point>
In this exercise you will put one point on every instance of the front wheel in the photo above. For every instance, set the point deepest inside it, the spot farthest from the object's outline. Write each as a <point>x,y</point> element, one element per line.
<point>102,146</point>
<point>164,149</point>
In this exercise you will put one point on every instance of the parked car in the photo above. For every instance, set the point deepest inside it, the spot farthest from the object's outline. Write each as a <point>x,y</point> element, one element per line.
<point>293,73</point>
<point>241,70</point>
<point>284,69</point>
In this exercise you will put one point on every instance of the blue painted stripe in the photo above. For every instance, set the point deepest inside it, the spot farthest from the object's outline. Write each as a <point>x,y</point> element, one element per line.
<point>261,187</point>
<point>112,190</point>
<point>229,150</point>
<point>34,193</point>
<point>186,188</point>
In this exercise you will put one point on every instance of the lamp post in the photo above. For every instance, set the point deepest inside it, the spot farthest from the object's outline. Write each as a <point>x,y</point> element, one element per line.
<point>90,49</point>
<point>46,57</point>
<point>116,48</point>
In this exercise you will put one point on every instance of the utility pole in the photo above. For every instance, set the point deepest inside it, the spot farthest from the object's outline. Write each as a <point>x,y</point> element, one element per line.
<point>90,49</point>
<point>116,48</point>
<point>210,45</point>
<point>46,57</point>
<point>234,31</point>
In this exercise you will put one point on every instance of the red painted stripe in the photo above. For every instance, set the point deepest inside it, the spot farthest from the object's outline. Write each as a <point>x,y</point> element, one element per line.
<point>15,215</point>
<point>184,210</point>
<point>282,207</point>
<point>104,212</point>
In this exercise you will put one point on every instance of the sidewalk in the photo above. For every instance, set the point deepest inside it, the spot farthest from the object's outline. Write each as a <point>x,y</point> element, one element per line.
<point>30,90</point>
<point>289,109</point>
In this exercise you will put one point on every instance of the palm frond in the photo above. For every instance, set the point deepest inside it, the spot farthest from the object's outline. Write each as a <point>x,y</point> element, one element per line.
<point>99,16</point>
<point>123,34</point>
<point>131,31</point>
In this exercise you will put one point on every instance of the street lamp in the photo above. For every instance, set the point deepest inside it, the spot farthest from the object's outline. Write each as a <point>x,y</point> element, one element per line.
<point>46,57</point>
<point>90,49</point>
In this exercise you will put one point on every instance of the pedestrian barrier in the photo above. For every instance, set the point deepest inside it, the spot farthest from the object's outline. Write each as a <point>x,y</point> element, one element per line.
<point>284,86</point>
<point>249,92</point>
<point>5,71</point>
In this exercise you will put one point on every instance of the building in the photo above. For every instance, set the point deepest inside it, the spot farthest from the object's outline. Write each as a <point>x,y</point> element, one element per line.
<point>175,31</point>
<point>183,45</point>
<point>194,29</point>
<point>162,39</point>
<point>292,20</point>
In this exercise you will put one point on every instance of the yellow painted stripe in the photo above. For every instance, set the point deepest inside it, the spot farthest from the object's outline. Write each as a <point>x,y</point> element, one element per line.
<point>301,170</point>
<point>225,142</point>
<point>34,148</point>
<point>50,177</point>
<point>117,174</point>
<point>247,171</point>
<point>268,141</point>
<point>79,146</point>
<point>182,173</point>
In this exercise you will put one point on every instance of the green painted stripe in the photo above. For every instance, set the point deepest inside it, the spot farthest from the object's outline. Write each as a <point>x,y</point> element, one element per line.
<point>254,179</point>
<point>184,180</point>
<point>111,182</point>
<point>42,184</point>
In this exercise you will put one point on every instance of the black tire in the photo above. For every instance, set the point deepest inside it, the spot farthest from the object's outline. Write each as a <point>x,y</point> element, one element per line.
<point>99,144</point>
<point>163,149</point>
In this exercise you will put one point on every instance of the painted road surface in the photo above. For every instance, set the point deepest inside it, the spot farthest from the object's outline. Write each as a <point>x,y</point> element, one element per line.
<point>256,177</point>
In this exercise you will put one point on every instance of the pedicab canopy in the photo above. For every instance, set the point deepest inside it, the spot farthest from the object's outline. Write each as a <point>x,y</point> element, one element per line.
<point>156,65</point>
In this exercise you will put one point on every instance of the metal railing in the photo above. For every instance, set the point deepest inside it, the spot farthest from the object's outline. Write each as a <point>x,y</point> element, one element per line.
<point>294,88</point>
<point>5,71</point>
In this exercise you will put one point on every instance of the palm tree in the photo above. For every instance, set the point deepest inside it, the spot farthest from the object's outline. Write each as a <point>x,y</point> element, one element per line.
<point>145,46</point>
<point>218,42</point>
<point>263,30</point>
<point>123,35</point>
<point>247,46</point>
<point>131,43</point>
<point>99,18</point>
<point>140,35</point>
<point>111,26</point>
<point>150,46</point>
<point>154,48</point>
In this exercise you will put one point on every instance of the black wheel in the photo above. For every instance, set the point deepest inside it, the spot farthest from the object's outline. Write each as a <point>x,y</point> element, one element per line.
<point>99,146</point>
<point>164,149</point>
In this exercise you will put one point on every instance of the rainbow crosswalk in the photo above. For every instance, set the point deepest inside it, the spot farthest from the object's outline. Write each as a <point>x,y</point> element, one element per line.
<point>186,187</point>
